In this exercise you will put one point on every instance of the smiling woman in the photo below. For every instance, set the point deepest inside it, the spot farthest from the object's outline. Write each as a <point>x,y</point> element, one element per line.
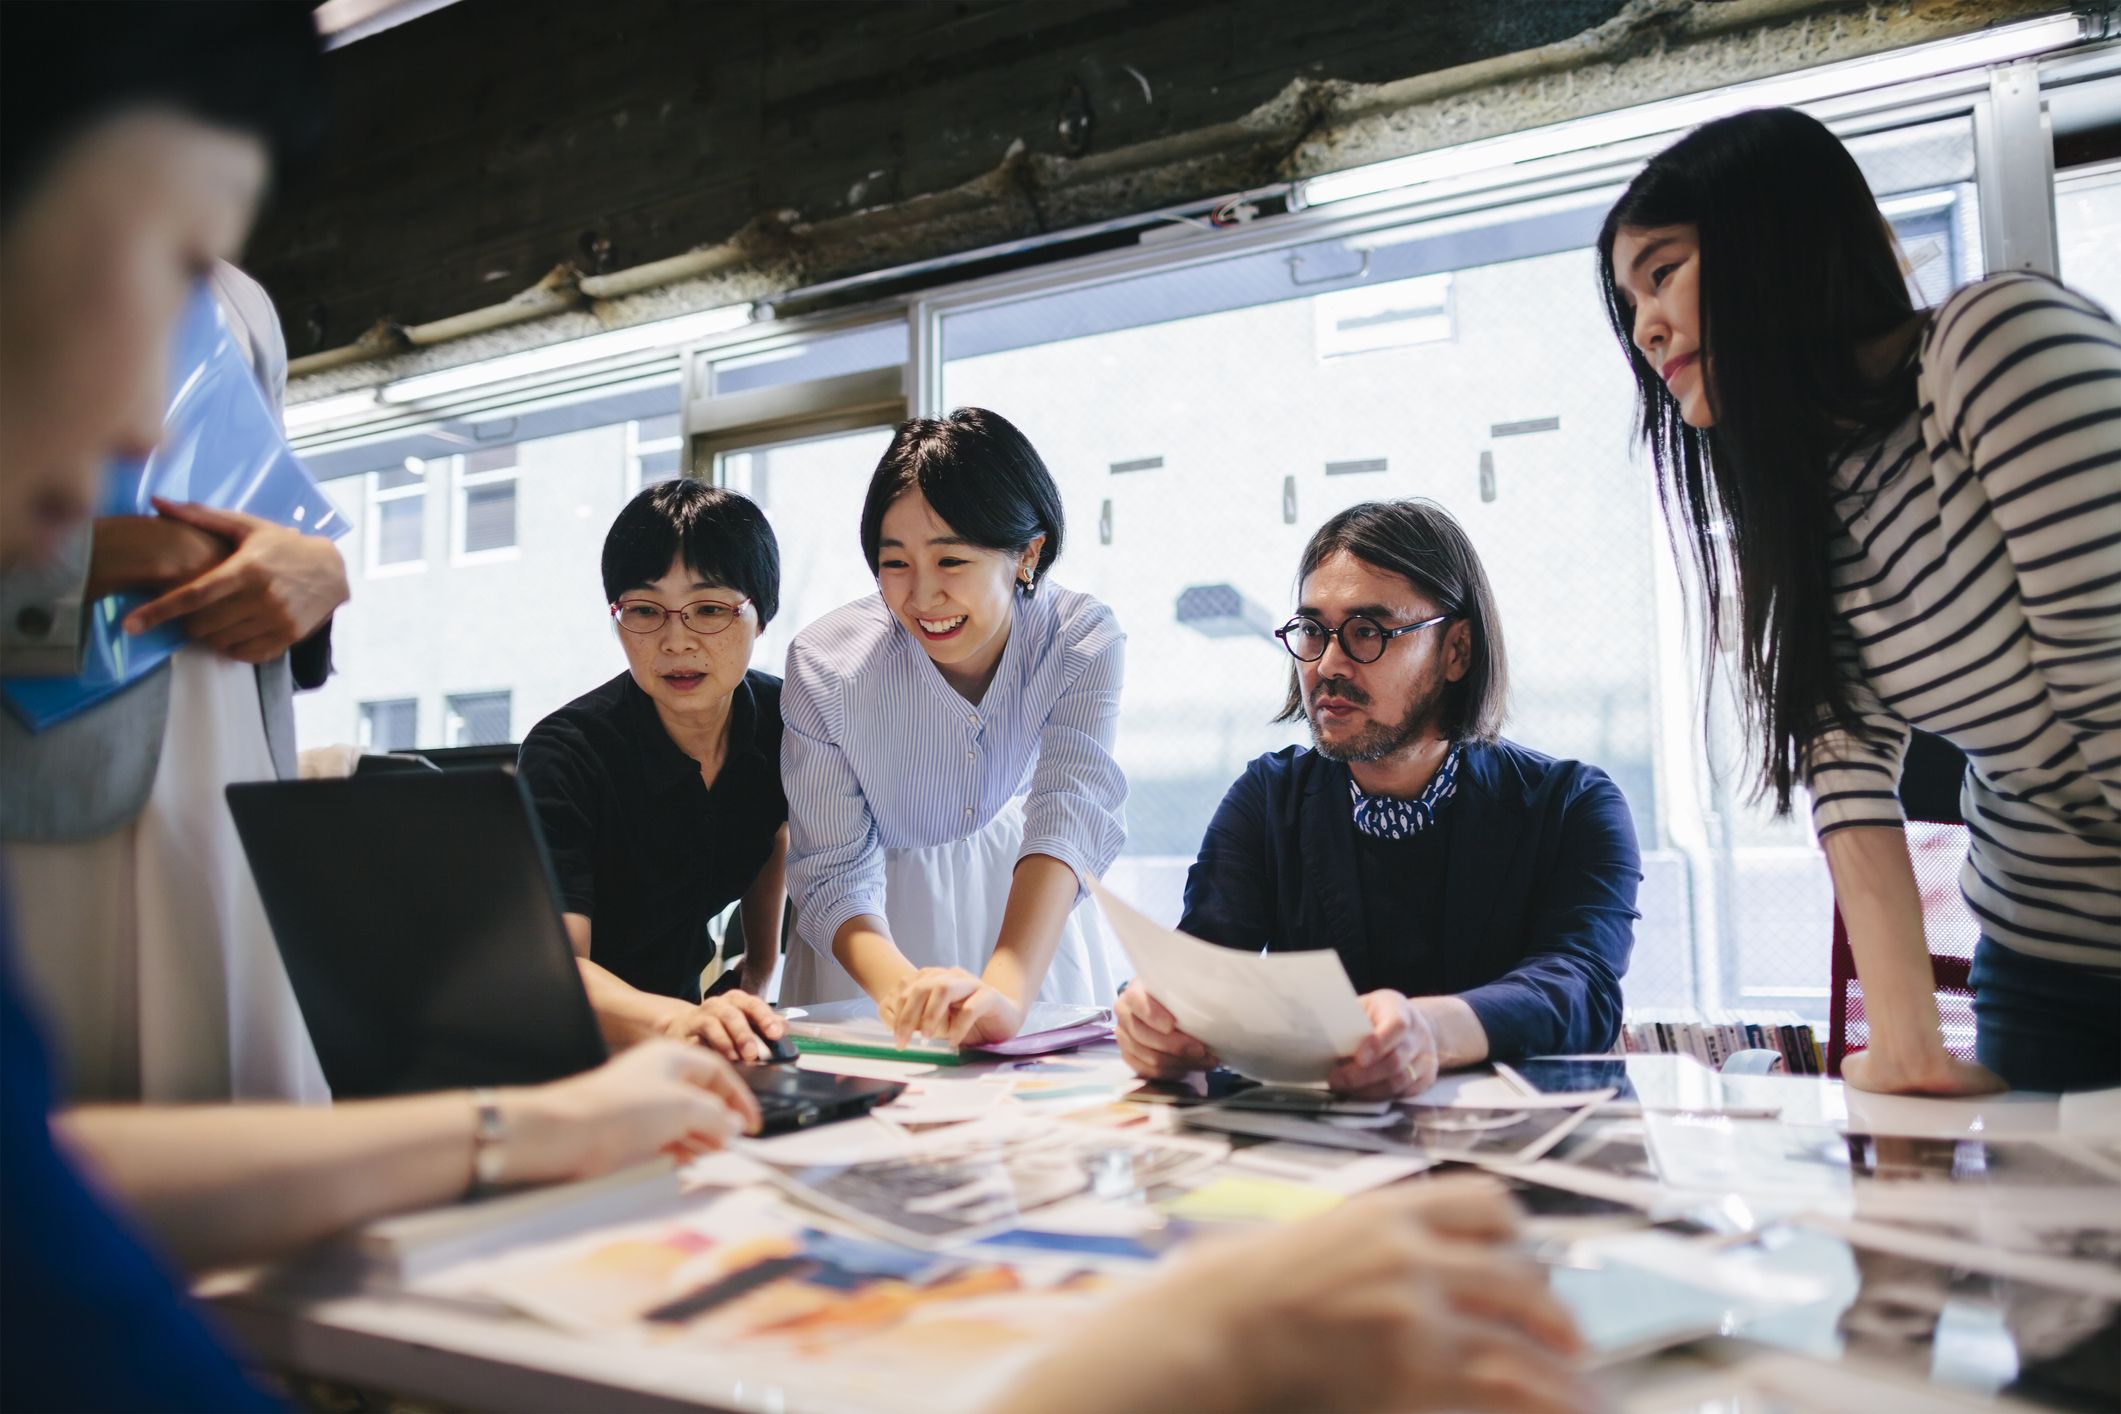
<point>659,792</point>
<point>949,750</point>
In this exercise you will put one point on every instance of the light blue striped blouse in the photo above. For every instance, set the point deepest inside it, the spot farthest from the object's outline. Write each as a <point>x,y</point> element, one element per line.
<point>879,752</point>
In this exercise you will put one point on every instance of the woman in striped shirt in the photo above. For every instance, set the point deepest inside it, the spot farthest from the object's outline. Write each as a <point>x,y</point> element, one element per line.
<point>947,751</point>
<point>1920,515</point>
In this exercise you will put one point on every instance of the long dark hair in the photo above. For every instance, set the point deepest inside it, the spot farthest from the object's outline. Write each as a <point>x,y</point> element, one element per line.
<point>1421,542</point>
<point>1797,270</point>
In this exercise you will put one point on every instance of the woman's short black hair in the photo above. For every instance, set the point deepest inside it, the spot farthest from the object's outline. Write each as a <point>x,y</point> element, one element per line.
<point>1424,544</point>
<point>722,537</point>
<point>254,67</point>
<point>981,475</point>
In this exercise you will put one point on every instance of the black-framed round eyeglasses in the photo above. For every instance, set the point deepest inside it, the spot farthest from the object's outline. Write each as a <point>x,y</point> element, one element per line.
<point>1361,637</point>
<point>702,616</point>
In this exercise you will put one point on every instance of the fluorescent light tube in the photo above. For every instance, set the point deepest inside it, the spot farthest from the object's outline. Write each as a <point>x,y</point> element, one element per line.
<point>1996,46</point>
<point>638,338</point>
<point>306,417</point>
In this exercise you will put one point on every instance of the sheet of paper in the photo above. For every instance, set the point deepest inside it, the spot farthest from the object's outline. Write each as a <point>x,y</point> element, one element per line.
<point>2090,1112</point>
<point>937,1101</point>
<point>862,1067</point>
<point>946,1196</point>
<point>1516,1135</point>
<point>1344,1171</point>
<point>1287,1018</point>
<point>851,1141</point>
<point>1241,1198</point>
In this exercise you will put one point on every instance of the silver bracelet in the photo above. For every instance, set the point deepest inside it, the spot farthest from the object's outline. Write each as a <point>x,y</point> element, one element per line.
<point>489,1143</point>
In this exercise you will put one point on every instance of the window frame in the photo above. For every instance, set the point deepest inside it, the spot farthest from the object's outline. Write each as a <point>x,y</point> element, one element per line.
<point>379,495</point>
<point>453,719</point>
<point>364,722</point>
<point>639,448</point>
<point>463,482</point>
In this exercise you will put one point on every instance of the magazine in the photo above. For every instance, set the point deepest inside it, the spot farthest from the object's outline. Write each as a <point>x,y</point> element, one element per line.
<point>1514,1134</point>
<point>944,1196</point>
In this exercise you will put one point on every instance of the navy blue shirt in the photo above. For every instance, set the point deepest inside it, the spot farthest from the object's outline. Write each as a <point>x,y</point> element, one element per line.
<point>1524,904</point>
<point>88,1318</point>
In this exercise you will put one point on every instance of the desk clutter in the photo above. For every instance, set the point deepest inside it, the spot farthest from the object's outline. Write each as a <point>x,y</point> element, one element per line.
<point>915,1257</point>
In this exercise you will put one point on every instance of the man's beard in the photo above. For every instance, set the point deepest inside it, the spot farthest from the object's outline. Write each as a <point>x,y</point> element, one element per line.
<point>1378,740</point>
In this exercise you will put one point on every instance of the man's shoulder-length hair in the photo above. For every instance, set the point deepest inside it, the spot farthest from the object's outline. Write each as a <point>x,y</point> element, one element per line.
<point>1422,542</point>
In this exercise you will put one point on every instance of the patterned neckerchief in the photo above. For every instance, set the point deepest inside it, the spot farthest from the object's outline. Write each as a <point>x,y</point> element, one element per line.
<point>1385,818</point>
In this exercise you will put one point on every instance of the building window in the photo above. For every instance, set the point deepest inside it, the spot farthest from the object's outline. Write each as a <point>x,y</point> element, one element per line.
<point>1390,316</point>
<point>390,726</point>
<point>397,518</point>
<point>655,451</point>
<point>2088,230</point>
<point>479,719</point>
<point>486,505</point>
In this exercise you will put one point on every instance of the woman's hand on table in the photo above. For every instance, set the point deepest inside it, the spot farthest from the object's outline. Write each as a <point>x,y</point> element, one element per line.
<point>1930,1070</point>
<point>949,1004</point>
<point>1404,1299</point>
<point>657,1097</point>
<point>730,1025</point>
<point>1397,1058</point>
<point>1150,1040</point>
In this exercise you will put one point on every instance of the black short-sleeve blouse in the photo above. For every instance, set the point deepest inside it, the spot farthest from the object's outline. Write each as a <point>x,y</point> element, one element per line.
<point>641,845</point>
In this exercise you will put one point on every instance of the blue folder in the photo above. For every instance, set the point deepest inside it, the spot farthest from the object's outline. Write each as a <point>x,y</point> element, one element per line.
<point>222,446</point>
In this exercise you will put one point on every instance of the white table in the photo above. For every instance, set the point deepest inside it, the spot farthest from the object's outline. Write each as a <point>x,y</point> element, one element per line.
<point>497,1360</point>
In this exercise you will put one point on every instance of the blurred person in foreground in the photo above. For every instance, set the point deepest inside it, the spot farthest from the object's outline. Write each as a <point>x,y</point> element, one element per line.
<point>132,153</point>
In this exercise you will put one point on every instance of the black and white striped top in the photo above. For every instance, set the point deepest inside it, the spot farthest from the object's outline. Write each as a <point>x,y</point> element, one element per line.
<point>1977,581</point>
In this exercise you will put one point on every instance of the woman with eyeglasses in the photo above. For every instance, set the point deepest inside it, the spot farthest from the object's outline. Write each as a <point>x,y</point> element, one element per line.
<point>1918,515</point>
<point>660,792</point>
<point>949,751</point>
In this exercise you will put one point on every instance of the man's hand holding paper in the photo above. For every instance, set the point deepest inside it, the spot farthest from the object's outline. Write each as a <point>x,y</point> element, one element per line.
<point>1284,1018</point>
<point>1398,1057</point>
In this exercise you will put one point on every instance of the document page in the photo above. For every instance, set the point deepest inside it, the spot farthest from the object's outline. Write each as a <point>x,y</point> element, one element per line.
<point>1285,1018</point>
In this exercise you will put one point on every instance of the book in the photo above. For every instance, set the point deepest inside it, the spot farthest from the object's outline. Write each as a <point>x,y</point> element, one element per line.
<point>408,1246</point>
<point>1713,1037</point>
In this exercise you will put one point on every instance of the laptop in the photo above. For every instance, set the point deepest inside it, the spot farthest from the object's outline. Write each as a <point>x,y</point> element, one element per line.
<point>420,926</point>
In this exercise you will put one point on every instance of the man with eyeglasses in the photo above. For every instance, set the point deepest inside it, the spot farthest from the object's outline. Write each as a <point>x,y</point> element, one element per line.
<point>1481,895</point>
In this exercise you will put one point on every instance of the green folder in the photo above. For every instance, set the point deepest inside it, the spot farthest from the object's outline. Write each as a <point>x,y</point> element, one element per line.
<point>822,1046</point>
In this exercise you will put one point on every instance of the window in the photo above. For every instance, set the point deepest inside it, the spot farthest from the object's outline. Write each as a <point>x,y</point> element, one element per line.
<point>486,505</point>
<point>811,491</point>
<point>655,451</point>
<point>1390,316</point>
<point>530,620</point>
<point>390,726</point>
<point>2088,230</point>
<point>479,719</point>
<point>397,518</point>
